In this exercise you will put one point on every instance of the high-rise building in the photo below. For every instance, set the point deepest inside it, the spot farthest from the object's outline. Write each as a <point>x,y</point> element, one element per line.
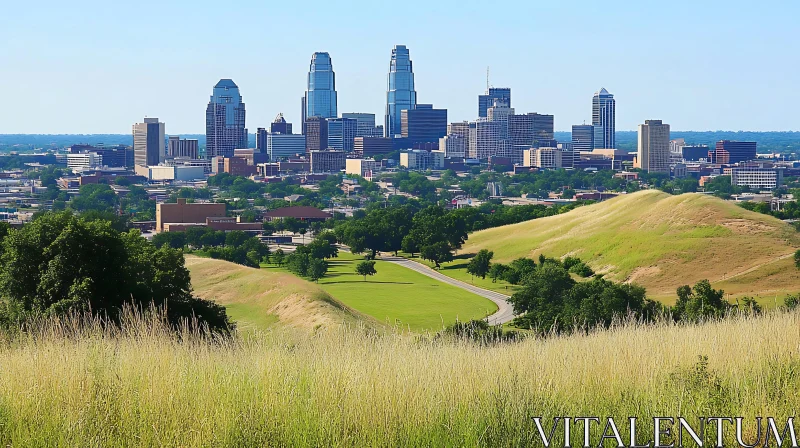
<point>180,147</point>
<point>316,133</point>
<point>603,114</point>
<point>148,142</point>
<point>424,124</point>
<point>280,146</point>
<point>653,155</point>
<point>493,93</point>
<point>261,140</point>
<point>582,137</point>
<point>543,158</point>
<point>531,130</point>
<point>303,116</point>
<point>225,120</point>
<point>485,139</point>
<point>372,146</point>
<point>454,146</point>
<point>320,99</point>
<point>327,161</point>
<point>280,126</point>
<point>694,153</point>
<point>728,151</point>
<point>400,94</point>
<point>342,133</point>
<point>460,128</point>
<point>366,124</point>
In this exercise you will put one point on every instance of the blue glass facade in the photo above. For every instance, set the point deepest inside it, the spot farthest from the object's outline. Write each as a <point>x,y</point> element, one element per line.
<point>225,120</point>
<point>320,99</point>
<point>604,116</point>
<point>400,94</point>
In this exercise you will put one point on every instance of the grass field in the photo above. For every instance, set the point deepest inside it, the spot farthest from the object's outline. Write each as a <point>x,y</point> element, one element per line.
<point>401,297</point>
<point>257,299</point>
<point>659,241</point>
<point>144,387</point>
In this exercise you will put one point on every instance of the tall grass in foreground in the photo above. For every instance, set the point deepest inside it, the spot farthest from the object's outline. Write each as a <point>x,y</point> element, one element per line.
<point>63,384</point>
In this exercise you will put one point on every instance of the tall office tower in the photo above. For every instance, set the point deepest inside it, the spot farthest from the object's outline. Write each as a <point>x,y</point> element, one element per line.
<point>261,140</point>
<point>280,146</point>
<point>320,99</point>
<point>280,126</point>
<point>148,142</point>
<point>400,94</point>
<point>493,93</point>
<point>531,130</point>
<point>728,151</point>
<point>342,133</point>
<point>303,116</point>
<point>179,147</point>
<point>454,146</point>
<point>225,121</point>
<point>423,124</point>
<point>460,128</point>
<point>500,112</point>
<point>603,114</point>
<point>485,139</point>
<point>653,155</point>
<point>366,124</point>
<point>316,134</point>
<point>582,137</point>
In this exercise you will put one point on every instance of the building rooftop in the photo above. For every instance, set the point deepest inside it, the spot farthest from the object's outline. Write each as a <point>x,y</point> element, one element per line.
<point>226,83</point>
<point>299,212</point>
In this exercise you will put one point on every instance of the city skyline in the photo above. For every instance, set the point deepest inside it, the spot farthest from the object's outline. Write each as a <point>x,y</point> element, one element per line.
<point>696,83</point>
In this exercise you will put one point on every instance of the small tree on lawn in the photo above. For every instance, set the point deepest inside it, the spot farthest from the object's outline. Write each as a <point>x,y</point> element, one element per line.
<point>366,268</point>
<point>797,259</point>
<point>480,264</point>
<point>278,257</point>
<point>317,269</point>
<point>439,252</point>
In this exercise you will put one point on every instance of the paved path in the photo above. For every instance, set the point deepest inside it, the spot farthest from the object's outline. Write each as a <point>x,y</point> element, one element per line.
<point>504,314</point>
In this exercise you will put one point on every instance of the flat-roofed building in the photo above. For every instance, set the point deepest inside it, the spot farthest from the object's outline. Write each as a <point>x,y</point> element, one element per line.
<point>330,161</point>
<point>422,160</point>
<point>365,168</point>
<point>543,158</point>
<point>372,146</point>
<point>757,178</point>
<point>653,154</point>
<point>454,146</point>
<point>179,147</point>
<point>182,212</point>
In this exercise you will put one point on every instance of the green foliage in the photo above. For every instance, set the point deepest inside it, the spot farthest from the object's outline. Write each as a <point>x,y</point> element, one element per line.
<point>317,268</point>
<point>581,269</point>
<point>60,263</point>
<point>700,302</point>
<point>174,240</point>
<point>438,253</point>
<point>278,257</point>
<point>481,263</point>
<point>366,268</point>
<point>797,259</point>
<point>481,332</point>
<point>791,302</point>
<point>98,197</point>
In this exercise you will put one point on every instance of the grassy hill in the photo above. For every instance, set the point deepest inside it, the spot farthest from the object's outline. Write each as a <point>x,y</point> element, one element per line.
<point>259,299</point>
<point>662,242</point>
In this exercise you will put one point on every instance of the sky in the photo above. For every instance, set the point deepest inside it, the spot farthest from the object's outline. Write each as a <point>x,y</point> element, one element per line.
<point>91,66</point>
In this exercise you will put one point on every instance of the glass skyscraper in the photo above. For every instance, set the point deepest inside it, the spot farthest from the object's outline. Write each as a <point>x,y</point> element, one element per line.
<point>487,101</point>
<point>320,99</point>
<point>400,94</point>
<point>225,120</point>
<point>603,115</point>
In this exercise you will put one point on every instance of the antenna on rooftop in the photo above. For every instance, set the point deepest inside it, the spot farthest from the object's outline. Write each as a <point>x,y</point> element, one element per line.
<point>487,78</point>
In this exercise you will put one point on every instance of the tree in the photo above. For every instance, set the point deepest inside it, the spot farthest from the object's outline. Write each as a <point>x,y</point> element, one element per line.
<point>298,263</point>
<point>797,259</point>
<point>480,263</point>
<point>366,268</point>
<point>699,302</point>
<point>317,269</point>
<point>60,263</point>
<point>438,253</point>
<point>174,240</point>
<point>497,271</point>
<point>278,257</point>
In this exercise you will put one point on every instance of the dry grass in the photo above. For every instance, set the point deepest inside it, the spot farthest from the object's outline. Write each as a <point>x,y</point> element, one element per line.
<point>259,299</point>
<point>62,386</point>
<point>662,242</point>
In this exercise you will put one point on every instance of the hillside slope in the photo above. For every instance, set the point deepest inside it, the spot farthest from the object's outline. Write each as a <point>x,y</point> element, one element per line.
<point>258,299</point>
<point>662,242</point>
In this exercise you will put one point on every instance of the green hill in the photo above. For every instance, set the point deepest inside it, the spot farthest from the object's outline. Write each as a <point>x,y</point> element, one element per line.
<point>258,299</point>
<point>662,242</point>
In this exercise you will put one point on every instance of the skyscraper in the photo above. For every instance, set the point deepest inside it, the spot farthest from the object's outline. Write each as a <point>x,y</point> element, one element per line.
<point>493,93</point>
<point>582,137</point>
<point>400,95</point>
<point>728,151</point>
<point>320,99</point>
<point>603,114</point>
<point>366,124</point>
<point>280,126</point>
<point>653,155</point>
<point>423,124</point>
<point>148,142</point>
<point>342,133</point>
<point>531,130</point>
<point>225,120</point>
<point>316,134</point>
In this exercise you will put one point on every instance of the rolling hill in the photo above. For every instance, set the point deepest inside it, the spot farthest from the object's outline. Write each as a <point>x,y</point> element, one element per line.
<point>662,242</point>
<point>259,299</point>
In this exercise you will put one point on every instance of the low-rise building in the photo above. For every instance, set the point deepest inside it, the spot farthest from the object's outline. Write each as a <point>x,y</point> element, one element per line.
<point>171,173</point>
<point>757,178</point>
<point>302,213</point>
<point>183,212</point>
<point>365,168</point>
<point>422,160</point>
<point>328,161</point>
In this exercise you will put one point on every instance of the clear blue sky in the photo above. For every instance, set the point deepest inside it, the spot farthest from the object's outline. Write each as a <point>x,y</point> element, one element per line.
<point>98,66</point>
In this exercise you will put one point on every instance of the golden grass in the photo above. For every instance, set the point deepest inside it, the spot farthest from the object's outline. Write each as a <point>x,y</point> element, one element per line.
<point>357,387</point>
<point>259,299</point>
<point>662,242</point>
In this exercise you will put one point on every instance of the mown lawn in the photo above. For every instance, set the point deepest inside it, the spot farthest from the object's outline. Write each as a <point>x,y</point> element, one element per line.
<point>400,296</point>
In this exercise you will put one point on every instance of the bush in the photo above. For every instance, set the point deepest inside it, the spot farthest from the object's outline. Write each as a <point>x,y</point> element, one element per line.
<point>581,269</point>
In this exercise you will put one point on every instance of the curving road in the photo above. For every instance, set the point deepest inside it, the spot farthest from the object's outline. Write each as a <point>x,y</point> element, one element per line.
<point>505,312</point>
